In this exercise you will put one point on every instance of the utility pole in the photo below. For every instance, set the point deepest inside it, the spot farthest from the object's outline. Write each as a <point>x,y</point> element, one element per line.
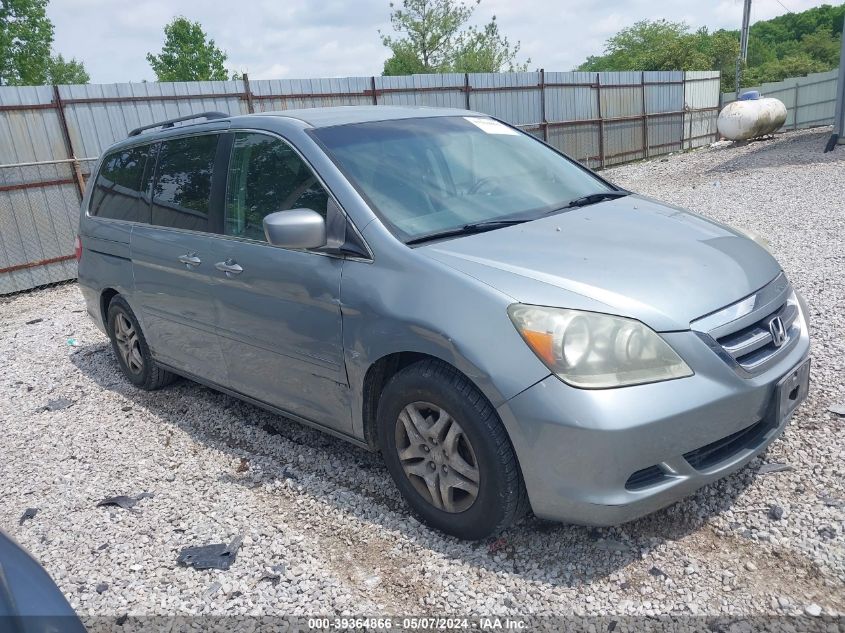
<point>743,43</point>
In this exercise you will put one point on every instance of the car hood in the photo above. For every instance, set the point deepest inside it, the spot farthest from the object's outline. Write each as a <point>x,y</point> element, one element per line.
<point>630,256</point>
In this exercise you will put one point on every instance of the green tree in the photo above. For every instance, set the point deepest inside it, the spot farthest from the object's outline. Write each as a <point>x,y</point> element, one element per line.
<point>26,36</point>
<point>783,34</point>
<point>405,61</point>
<point>720,50</point>
<point>796,65</point>
<point>664,45</point>
<point>486,50</point>
<point>647,45</point>
<point>26,40</point>
<point>787,46</point>
<point>71,71</point>
<point>434,37</point>
<point>822,47</point>
<point>188,54</point>
<point>794,44</point>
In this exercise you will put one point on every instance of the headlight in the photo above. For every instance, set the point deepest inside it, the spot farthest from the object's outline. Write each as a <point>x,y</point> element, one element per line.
<point>595,351</point>
<point>762,241</point>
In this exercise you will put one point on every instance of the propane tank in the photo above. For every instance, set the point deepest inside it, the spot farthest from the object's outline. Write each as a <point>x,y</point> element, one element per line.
<point>751,116</point>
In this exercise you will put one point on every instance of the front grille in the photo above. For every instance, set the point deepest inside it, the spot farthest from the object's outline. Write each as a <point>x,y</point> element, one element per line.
<point>645,478</point>
<point>706,456</point>
<point>753,347</point>
<point>742,333</point>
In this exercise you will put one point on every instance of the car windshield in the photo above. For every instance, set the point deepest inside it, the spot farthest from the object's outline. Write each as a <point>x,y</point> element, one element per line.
<point>425,176</point>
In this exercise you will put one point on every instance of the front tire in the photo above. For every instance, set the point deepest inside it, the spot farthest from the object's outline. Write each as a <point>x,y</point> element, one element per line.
<point>448,452</point>
<point>131,349</point>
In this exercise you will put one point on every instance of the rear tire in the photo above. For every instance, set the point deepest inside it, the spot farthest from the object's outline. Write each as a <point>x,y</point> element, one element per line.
<point>448,452</point>
<point>131,349</point>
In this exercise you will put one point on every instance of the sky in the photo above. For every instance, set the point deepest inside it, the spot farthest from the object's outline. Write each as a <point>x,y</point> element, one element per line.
<point>275,39</point>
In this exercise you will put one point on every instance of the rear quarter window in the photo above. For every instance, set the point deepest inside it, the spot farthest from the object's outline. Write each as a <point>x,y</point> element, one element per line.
<point>182,191</point>
<point>120,191</point>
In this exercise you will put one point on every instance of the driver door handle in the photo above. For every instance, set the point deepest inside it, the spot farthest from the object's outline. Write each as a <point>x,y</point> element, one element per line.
<point>230,267</point>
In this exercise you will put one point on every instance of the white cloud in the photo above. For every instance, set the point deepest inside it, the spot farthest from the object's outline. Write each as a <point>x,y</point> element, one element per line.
<point>334,38</point>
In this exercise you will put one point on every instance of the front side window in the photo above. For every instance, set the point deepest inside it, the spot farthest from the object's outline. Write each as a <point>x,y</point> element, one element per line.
<point>120,192</point>
<point>182,191</point>
<point>266,175</point>
<point>427,175</point>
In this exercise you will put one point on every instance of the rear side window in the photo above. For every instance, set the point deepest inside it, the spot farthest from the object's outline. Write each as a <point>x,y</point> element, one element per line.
<point>120,191</point>
<point>266,175</point>
<point>182,190</point>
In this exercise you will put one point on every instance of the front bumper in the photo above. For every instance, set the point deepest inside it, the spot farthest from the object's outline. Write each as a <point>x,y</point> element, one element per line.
<point>579,448</point>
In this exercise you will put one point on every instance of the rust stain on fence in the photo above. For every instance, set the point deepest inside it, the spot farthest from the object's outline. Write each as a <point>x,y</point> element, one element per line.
<point>38,185</point>
<point>40,262</point>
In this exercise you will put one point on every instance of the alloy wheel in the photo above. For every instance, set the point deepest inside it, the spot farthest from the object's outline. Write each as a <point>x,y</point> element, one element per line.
<point>128,343</point>
<point>437,457</point>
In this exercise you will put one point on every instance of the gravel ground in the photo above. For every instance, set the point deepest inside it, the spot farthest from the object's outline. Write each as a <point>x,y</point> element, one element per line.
<point>325,532</point>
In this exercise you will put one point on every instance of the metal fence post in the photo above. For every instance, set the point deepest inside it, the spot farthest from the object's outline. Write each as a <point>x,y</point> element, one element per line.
<point>689,136</point>
<point>248,95</point>
<point>601,120</point>
<point>543,122</point>
<point>77,172</point>
<point>373,88</point>
<point>795,112</point>
<point>687,113</point>
<point>645,116</point>
<point>467,89</point>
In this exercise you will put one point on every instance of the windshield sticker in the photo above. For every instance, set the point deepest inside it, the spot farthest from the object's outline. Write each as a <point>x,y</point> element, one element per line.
<point>490,126</point>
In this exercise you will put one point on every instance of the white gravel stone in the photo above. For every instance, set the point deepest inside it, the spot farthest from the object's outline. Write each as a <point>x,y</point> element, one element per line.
<point>813,610</point>
<point>321,519</point>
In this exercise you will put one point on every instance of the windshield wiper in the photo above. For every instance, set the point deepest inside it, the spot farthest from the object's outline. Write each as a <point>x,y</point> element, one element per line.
<point>466,229</point>
<point>592,198</point>
<point>489,225</point>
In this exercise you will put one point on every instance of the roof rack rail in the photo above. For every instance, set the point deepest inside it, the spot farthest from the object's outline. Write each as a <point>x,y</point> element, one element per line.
<point>169,122</point>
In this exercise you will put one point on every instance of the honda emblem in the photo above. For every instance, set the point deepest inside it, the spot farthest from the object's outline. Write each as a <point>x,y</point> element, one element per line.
<point>778,331</point>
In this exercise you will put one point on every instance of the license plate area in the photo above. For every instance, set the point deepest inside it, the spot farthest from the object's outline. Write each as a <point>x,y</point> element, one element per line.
<point>792,390</point>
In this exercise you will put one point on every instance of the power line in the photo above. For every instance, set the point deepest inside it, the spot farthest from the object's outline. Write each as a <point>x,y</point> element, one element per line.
<point>788,10</point>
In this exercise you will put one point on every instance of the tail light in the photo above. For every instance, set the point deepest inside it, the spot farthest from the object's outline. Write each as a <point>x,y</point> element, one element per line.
<point>78,249</point>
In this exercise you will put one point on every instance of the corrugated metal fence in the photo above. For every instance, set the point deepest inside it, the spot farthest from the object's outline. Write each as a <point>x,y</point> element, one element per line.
<point>51,136</point>
<point>810,101</point>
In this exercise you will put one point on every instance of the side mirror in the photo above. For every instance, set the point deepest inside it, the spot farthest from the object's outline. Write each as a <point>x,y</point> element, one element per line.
<point>297,228</point>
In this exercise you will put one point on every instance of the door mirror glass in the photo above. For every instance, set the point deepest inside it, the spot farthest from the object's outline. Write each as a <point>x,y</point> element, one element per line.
<point>297,228</point>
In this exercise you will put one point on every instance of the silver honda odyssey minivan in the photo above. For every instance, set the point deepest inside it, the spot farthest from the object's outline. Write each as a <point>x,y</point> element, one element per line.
<point>509,330</point>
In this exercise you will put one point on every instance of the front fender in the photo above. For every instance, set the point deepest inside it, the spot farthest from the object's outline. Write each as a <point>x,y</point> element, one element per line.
<point>415,304</point>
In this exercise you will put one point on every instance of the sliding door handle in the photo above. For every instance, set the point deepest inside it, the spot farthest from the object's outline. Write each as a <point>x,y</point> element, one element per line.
<point>190,260</point>
<point>230,267</point>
